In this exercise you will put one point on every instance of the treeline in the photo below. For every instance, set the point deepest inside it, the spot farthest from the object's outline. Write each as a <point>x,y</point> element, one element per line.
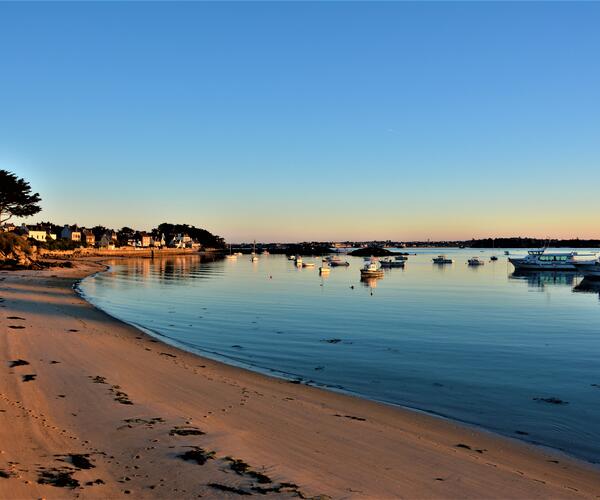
<point>532,243</point>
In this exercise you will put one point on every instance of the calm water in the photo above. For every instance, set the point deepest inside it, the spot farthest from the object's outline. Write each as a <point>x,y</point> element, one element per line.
<point>473,344</point>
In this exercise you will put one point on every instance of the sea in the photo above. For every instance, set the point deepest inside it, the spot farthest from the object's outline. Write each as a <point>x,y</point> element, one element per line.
<point>514,353</point>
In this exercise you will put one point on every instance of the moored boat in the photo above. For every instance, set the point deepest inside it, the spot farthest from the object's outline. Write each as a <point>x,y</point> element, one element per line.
<point>542,260</point>
<point>589,268</point>
<point>389,262</point>
<point>307,264</point>
<point>372,269</point>
<point>336,262</point>
<point>475,261</point>
<point>442,259</point>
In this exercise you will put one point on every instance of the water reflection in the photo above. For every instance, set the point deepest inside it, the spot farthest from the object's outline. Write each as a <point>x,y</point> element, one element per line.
<point>171,268</point>
<point>588,286</point>
<point>541,279</point>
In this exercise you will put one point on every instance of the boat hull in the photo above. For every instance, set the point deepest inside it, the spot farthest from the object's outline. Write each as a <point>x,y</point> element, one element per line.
<point>371,274</point>
<point>522,265</point>
<point>589,270</point>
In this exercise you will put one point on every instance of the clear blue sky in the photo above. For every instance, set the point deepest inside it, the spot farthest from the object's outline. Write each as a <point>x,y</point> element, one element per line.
<point>294,121</point>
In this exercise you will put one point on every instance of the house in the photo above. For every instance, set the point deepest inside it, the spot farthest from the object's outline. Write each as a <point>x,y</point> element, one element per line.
<point>71,233</point>
<point>88,238</point>
<point>144,240</point>
<point>181,241</point>
<point>38,233</point>
<point>108,240</point>
<point>159,242</point>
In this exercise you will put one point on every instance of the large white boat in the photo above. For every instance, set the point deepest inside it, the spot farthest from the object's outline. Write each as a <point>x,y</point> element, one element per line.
<point>589,268</point>
<point>542,260</point>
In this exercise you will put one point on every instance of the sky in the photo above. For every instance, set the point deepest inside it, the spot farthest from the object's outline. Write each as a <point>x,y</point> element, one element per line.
<point>307,121</point>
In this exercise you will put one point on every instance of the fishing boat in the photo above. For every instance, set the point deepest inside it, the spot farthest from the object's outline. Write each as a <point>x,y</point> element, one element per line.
<point>542,260</point>
<point>442,259</point>
<point>389,262</point>
<point>475,261</point>
<point>372,269</point>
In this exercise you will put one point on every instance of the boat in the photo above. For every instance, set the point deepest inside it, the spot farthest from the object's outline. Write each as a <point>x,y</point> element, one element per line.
<point>389,263</point>
<point>265,252</point>
<point>291,257</point>
<point>506,252</point>
<point>493,258</point>
<point>372,269</point>
<point>231,256</point>
<point>307,264</point>
<point>337,262</point>
<point>475,261</point>
<point>442,259</point>
<point>254,257</point>
<point>542,260</point>
<point>324,269</point>
<point>298,260</point>
<point>590,269</point>
<point>238,253</point>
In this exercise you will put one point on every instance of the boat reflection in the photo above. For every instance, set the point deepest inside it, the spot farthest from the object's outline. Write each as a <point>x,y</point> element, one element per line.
<point>588,286</point>
<point>370,282</point>
<point>541,279</point>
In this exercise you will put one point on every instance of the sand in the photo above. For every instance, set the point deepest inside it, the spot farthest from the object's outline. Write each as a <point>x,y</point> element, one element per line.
<point>94,408</point>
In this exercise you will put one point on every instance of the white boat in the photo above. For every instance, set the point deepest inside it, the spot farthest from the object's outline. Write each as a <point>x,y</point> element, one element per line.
<point>254,257</point>
<point>389,262</point>
<point>308,264</point>
<point>238,253</point>
<point>324,269</point>
<point>372,269</point>
<point>542,260</point>
<point>265,252</point>
<point>291,257</point>
<point>589,268</point>
<point>298,260</point>
<point>475,261</point>
<point>442,259</point>
<point>231,256</point>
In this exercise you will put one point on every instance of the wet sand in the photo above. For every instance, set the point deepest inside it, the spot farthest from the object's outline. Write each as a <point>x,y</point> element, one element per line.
<point>92,407</point>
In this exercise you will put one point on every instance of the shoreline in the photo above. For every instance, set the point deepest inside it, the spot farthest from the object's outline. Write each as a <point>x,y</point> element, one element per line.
<point>325,442</point>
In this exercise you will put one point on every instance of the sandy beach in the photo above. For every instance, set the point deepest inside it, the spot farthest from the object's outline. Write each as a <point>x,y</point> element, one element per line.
<point>93,408</point>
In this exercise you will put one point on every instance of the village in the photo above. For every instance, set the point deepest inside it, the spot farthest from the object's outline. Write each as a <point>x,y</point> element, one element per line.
<point>69,237</point>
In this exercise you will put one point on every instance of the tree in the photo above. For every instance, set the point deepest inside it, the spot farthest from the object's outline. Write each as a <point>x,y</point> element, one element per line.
<point>16,199</point>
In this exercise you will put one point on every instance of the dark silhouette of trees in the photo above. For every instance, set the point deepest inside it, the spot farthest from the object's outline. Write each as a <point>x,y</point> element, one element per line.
<point>16,199</point>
